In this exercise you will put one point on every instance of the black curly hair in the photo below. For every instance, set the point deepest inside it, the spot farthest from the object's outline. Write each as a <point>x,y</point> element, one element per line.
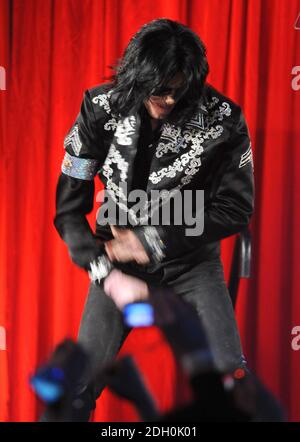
<point>156,53</point>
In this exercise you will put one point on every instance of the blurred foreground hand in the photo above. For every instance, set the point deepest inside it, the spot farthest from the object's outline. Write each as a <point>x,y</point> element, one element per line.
<point>125,289</point>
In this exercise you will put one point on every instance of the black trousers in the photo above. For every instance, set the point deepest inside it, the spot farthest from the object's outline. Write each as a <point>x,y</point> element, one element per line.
<point>102,331</point>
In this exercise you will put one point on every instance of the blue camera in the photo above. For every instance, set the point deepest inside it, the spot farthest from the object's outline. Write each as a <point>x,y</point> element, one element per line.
<point>138,314</point>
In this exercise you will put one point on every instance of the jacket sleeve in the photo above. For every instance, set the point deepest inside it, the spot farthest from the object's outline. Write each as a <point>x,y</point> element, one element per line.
<point>227,208</point>
<point>84,155</point>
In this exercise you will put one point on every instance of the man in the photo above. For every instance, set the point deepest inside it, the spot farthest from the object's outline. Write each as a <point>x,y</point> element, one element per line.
<point>157,126</point>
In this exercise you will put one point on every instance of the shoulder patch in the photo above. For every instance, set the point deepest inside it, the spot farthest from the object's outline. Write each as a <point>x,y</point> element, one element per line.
<point>73,140</point>
<point>246,157</point>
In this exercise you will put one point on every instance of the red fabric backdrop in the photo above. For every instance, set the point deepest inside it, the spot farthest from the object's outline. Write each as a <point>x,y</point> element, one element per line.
<point>52,50</point>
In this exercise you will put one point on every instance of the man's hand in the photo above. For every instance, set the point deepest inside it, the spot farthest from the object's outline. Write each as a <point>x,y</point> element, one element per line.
<point>125,289</point>
<point>125,247</point>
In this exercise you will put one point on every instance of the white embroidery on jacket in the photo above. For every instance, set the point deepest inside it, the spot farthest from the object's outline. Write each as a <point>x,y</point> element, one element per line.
<point>103,101</point>
<point>111,124</point>
<point>114,189</point>
<point>178,139</point>
<point>197,122</point>
<point>115,157</point>
<point>170,140</point>
<point>124,130</point>
<point>173,139</point>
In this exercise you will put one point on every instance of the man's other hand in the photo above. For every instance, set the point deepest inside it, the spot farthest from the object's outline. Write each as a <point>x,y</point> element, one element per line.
<point>125,247</point>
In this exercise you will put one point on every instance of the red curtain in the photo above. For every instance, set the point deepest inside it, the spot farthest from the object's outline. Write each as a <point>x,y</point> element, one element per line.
<point>51,51</point>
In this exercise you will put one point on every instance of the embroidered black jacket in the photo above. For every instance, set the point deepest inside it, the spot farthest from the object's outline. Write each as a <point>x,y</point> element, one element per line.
<point>212,152</point>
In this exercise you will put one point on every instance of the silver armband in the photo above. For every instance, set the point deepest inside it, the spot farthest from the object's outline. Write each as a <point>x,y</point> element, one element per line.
<point>100,268</point>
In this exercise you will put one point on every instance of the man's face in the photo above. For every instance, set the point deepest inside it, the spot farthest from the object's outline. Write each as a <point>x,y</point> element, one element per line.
<point>159,106</point>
